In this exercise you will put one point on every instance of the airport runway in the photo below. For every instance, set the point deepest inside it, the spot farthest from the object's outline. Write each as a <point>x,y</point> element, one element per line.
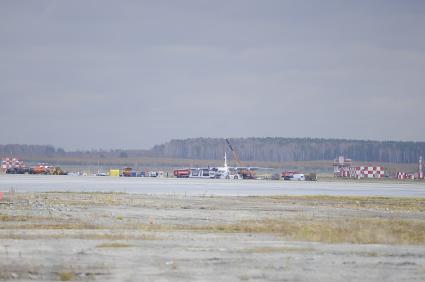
<point>207,187</point>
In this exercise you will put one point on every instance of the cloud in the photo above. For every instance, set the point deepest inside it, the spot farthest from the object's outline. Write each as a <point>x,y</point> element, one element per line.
<point>92,74</point>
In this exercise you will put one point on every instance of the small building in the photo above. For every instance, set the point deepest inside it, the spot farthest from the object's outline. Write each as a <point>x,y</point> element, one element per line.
<point>342,167</point>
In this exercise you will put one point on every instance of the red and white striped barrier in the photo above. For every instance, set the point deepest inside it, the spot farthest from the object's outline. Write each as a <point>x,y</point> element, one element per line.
<point>405,175</point>
<point>368,172</point>
<point>11,163</point>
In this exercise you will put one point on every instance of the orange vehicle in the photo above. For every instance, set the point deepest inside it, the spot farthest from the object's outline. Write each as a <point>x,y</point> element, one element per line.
<point>40,169</point>
<point>127,172</point>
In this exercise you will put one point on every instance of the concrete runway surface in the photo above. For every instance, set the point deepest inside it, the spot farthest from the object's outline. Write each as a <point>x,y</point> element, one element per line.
<point>204,187</point>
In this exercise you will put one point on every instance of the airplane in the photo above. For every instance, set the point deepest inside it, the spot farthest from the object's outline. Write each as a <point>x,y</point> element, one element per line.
<point>226,172</point>
<point>247,172</point>
<point>223,172</point>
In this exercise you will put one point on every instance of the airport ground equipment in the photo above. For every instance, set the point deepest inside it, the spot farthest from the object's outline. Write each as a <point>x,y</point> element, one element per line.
<point>245,172</point>
<point>129,172</point>
<point>114,172</point>
<point>311,177</point>
<point>40,169</point>
<point>182,173</point>
<point>56,171</point>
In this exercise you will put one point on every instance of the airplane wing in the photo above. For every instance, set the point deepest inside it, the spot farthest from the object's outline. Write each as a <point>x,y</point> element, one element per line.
<point>253,168</point>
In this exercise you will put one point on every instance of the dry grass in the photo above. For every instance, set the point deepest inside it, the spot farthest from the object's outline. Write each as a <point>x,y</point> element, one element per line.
<point>107,235</point>
<point>266,250</point>
<point>52,225</point>
<point>387,203</point>
<point>356,231</point>
<point>332,230</point>
<point>11,218</point>
<point>113,245</point>
<point>116,199</point>
<point>116,236</point>
<point>73,198</point>
<point>66,276</point>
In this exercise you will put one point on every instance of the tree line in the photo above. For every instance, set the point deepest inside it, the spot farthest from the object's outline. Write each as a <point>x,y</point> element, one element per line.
<point>272,149</point>
<point>293,149</point>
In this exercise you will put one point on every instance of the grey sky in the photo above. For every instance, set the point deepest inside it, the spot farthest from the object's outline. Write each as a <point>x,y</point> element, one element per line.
<point>131,74</point>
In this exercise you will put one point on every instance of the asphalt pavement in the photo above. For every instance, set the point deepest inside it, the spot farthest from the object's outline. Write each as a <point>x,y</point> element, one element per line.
<point>207,187</point>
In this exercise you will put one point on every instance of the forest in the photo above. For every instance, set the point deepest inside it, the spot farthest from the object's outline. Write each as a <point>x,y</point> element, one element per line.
<point>271,149</point>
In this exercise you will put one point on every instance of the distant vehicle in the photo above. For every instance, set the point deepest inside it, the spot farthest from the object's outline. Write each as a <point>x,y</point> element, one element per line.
<point>288,175</point>
<point>293,175</point>
<point>41,169</point>
<point>201,173</point>
<point>128,172</point>
<point>156,174</point>
<point>56,171</point>
<point>311,177</point>
<point>182,173</point>
<point>297,177</point>
<point>18,170</point>
<point>276,176</point>
<point>14,165</point>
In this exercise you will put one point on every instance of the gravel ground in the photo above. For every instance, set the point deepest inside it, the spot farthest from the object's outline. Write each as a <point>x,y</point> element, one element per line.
<point>125,237</point>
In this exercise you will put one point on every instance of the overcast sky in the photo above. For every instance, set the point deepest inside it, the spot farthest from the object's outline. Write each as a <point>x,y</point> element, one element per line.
<point>131,74</point>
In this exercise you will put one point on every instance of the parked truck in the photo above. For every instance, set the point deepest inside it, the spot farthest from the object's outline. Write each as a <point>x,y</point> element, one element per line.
<point>182,173</point>
<point>129,172</point>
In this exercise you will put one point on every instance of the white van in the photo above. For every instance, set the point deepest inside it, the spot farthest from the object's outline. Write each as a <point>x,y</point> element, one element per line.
<point>298,177</point>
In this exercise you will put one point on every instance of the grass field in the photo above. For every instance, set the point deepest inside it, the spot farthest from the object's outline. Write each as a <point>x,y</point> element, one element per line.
<point>116,236</point>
